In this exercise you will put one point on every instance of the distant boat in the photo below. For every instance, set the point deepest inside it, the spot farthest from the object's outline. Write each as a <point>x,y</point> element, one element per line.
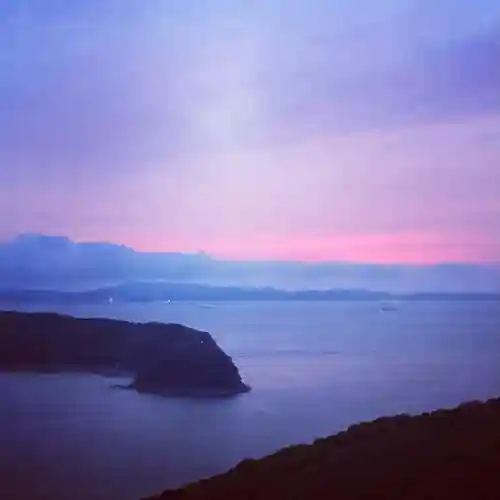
<point>388,308</point>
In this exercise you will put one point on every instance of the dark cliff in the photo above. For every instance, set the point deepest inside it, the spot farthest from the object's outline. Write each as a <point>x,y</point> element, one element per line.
<point>446,454</point>
<point>162,358</point>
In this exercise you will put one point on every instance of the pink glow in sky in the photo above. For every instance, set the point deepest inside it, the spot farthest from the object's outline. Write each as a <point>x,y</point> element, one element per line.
<point>365,131</point>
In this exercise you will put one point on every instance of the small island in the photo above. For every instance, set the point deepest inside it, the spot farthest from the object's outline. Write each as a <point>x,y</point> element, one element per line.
<point>167,359</point>
<point>447,454</point>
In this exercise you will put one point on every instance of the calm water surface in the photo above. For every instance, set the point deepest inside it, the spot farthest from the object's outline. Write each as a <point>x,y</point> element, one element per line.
<point>315,368</point>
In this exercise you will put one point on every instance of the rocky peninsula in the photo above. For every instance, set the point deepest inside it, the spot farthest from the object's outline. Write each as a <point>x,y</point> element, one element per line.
<point>169,359</point>
<point>446,454</point>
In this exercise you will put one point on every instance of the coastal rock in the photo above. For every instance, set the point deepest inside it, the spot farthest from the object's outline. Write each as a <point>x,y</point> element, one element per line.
<point>169,359</point>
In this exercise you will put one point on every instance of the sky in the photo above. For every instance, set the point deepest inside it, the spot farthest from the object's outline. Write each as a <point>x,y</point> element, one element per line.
<point>351,130</point>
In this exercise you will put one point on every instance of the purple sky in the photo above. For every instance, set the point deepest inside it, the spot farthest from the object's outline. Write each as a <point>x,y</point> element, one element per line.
<point>313,129</point>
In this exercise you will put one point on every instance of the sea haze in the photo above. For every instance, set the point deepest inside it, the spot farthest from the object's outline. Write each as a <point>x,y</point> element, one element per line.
<point>314,367</point>
<point>50,263</point>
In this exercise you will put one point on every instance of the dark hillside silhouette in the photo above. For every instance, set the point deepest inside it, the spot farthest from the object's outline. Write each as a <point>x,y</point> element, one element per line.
<point>446,454</point>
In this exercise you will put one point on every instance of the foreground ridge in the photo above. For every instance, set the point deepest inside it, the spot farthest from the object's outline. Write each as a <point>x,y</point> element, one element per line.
<point>446,454</point>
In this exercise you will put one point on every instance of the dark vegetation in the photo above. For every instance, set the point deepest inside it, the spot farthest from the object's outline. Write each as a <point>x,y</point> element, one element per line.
<point>446,454</point>
<point>163,358</point>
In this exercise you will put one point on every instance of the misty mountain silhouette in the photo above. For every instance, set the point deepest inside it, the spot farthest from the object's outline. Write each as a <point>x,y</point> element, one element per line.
<point>55,262</point>
<point>178,292</point>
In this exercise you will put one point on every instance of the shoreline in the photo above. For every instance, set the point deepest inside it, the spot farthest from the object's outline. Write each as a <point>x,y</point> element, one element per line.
<point>190,393</point>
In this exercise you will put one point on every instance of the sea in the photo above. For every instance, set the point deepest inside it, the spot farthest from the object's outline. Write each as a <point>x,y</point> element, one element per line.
<point>315,368</point>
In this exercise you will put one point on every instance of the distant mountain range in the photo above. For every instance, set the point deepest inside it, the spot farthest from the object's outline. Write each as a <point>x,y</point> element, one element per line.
<point>168,292</point>
<point>35,261</point>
